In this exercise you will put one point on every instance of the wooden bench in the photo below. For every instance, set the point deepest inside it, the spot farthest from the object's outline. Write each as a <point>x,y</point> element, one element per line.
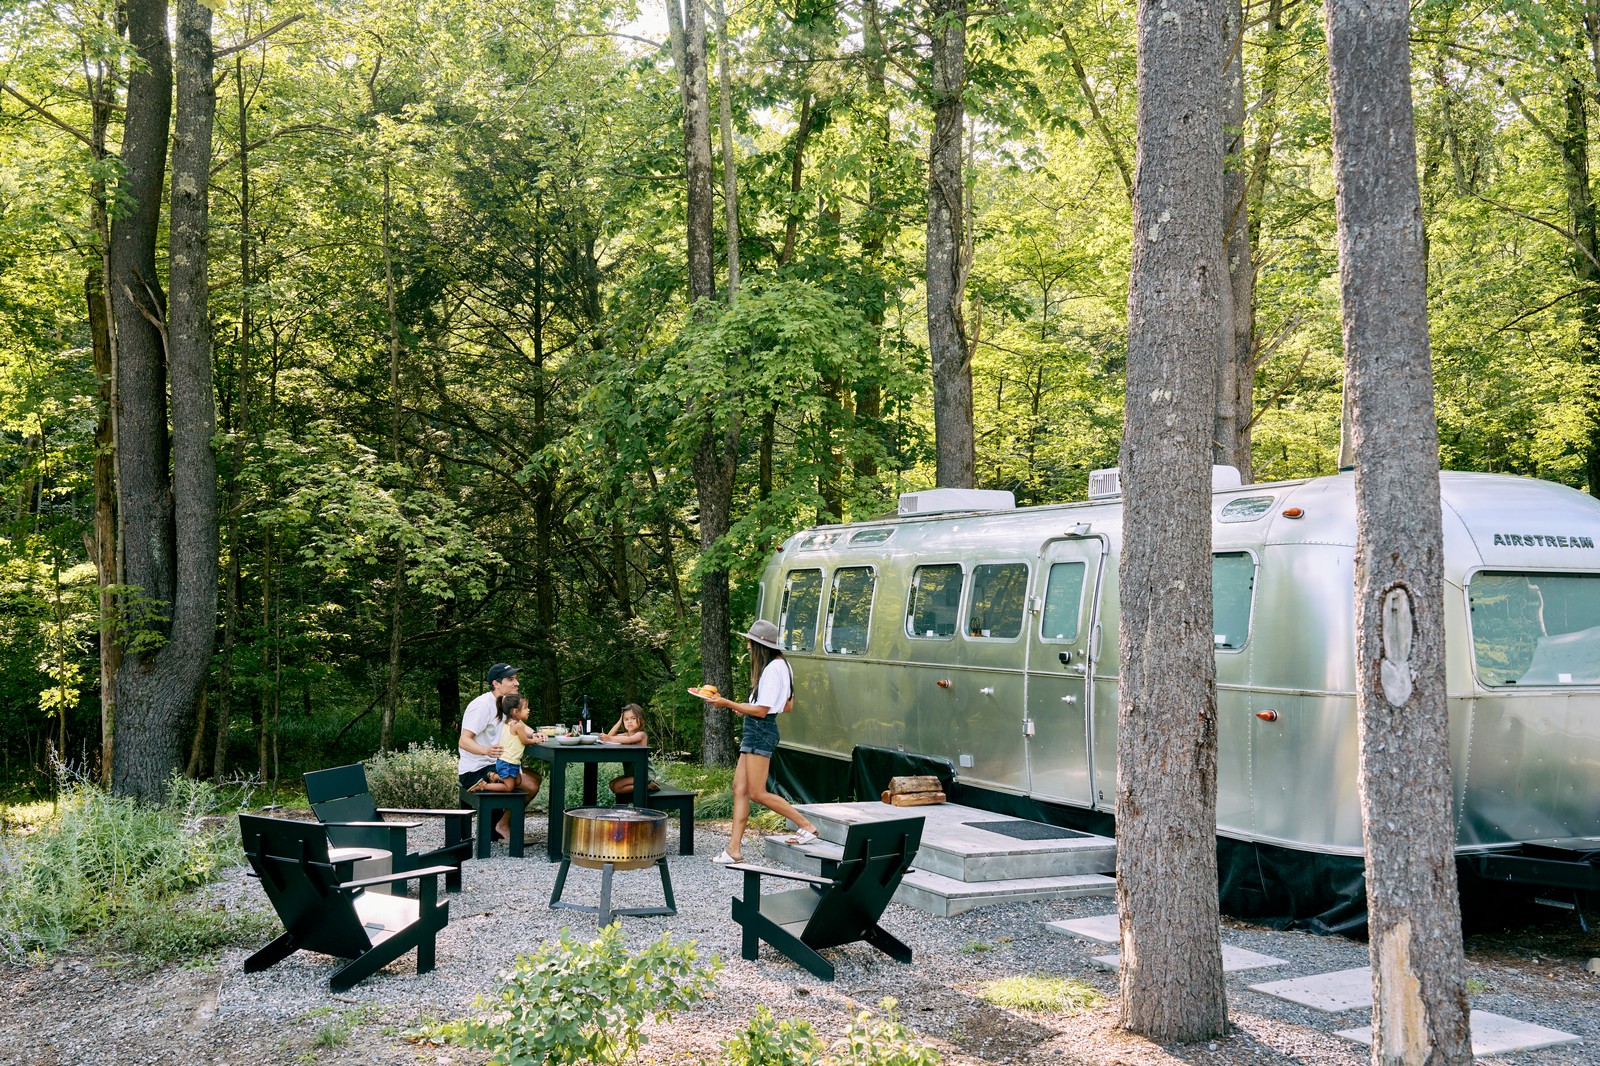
<point>489,805</point>
<point>674,801</point>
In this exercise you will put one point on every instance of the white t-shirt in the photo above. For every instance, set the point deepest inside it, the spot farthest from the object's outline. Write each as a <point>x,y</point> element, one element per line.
<point>482,720</point>
<point>775,687</point>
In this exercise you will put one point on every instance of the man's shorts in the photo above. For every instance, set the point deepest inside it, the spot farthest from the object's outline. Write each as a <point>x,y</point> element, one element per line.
<point>472,777</point>
<point>760,736</point>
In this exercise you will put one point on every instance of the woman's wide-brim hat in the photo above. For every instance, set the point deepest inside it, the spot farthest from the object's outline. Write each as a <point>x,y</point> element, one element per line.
<point>765,633</point>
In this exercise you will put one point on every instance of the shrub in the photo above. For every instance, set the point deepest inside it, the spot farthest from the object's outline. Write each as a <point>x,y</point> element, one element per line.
<point>869,1041</point>
<point>422,776</point>
<point>571,1002</point>
<point>1055,995</point>
<point>768,1042</point>
<point>114,867</point>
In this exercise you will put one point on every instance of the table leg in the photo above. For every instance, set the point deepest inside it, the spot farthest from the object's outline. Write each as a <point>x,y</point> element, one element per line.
<point>558,808</point>
<point>591,783</point>
<point>639,766</point>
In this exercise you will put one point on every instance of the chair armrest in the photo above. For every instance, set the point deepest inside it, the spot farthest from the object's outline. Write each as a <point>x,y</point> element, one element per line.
<point>417,812</point>
<point>787,875</point>
<point>374,825</point>
<point>403,875</point>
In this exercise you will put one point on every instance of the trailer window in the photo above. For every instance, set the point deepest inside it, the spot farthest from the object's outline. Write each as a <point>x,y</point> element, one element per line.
<point>849,610</point>
<point>994,610</point>
<point>935,604</point>
<point>1536,629</point>
<point>1233,581</point>
<point>1063,596</point>
<point>802,602</point>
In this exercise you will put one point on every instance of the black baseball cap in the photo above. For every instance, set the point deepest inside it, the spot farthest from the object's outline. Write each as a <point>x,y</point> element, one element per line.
<point>500,671</point>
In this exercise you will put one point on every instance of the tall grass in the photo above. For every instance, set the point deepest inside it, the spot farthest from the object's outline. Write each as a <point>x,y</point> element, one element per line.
<point>113,869</point>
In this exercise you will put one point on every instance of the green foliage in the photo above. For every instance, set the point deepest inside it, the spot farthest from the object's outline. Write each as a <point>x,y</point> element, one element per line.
<point>1041,994</point>
<point>768,1042</point>
<point>422,776</point>
<point>116,868</point>
<point>572,1002</point>
<point>869,1041</point>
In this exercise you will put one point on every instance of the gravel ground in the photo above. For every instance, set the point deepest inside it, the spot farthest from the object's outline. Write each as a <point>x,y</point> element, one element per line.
<point>90,1010</point>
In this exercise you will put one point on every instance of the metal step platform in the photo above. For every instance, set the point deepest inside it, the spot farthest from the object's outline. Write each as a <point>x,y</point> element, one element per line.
<point>969,857</point>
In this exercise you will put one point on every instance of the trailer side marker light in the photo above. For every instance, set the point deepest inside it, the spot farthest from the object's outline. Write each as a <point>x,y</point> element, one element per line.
<point>943,682</point>
<point>1293,512</point>
<point>1267,716</point>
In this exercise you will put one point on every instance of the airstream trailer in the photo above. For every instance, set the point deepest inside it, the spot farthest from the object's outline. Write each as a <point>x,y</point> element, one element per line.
<point>985,637</point>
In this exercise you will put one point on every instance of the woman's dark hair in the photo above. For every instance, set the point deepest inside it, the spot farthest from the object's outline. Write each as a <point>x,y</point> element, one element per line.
<point>504,705</point>
<point>761,657</point>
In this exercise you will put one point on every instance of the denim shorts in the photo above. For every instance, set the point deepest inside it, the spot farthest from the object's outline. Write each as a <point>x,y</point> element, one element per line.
<point>508,771</point>
<point>760,736</point>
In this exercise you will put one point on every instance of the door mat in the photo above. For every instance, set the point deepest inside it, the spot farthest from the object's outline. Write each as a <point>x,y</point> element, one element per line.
<point>1022,830</point>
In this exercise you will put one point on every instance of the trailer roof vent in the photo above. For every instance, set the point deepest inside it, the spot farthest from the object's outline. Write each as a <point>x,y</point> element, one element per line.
<point>935,501</point>
<point>1108,482</point>
<point>1104,483</point>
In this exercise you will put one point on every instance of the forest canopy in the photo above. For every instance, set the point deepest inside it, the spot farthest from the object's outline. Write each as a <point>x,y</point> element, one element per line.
<point>459,384</point>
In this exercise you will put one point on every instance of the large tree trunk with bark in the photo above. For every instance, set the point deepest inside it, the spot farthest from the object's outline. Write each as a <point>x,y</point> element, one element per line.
<point>1171,974</point>
<point>1419,1012</point>
<point>714,458</point>
<point>169,519</point>
<point>949,346</point>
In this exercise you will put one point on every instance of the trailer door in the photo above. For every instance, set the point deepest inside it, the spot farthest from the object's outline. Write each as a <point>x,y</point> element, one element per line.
<point>1060,670</point>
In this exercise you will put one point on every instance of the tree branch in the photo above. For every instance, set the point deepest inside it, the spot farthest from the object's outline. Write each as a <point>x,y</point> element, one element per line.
<point>40,110</point>
<point>254,39</point>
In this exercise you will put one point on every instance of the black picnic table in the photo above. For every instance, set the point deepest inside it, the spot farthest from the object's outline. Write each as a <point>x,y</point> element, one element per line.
<point>635,759</point>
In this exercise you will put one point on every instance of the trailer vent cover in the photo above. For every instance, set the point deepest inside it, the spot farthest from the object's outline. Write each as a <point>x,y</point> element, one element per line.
<point>935,501</point>
<point>1018,829</point>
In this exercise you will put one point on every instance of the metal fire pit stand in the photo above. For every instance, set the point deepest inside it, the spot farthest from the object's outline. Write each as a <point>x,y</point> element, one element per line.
<point>605,910</point>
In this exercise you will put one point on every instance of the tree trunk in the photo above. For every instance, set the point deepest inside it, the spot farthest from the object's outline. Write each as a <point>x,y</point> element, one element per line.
<point>1574,145</point>
<point>1419,1012</point>
<point>391,691</point>
<point>169,522</point>
<point>1171,975</point>
<point>948,343</point>
<point>730,174</point>
<point>714,458</point>
<point>103,545</point>
<point>1237,347</point>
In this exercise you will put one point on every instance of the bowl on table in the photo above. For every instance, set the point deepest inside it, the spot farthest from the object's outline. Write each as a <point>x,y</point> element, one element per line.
<point>566,740</point>
<point>588,738</point>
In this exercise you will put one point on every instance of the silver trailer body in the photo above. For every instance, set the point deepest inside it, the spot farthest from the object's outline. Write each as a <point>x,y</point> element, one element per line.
<point>990,639</point>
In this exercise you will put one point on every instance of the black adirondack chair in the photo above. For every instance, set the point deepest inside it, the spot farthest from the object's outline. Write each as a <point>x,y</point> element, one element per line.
<point>323,912</point>
<point>344,806</point>
<point>841,907</point>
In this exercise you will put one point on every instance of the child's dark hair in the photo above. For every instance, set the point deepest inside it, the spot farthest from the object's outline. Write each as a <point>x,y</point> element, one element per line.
<point>507,703</point>
<point>636,710</point>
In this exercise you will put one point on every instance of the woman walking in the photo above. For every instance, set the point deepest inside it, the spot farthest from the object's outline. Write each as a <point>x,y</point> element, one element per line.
<point>771,685</point>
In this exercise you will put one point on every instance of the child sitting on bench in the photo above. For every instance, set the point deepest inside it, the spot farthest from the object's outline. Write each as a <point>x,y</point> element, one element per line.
<point>628,730</point>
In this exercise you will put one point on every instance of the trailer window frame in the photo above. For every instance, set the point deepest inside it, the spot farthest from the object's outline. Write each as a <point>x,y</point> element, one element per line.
<point>1045,614</point>
<point>970,594</point>
<point>1548,606</point>
<point>912,613</point>
<point>828,647</point>
<point>1249,607</point>
<point>786,603</point>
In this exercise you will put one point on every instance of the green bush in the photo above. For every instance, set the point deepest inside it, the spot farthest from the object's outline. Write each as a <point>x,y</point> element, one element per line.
<point>1041,994</point>
<point>115,868</point>
<point>768,1042</point>
<point>869,1041</point>
<point>421,776</point>
<point>571,1002</point>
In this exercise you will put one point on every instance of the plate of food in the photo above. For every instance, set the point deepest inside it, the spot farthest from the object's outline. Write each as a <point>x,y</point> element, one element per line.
<point>704,692</point>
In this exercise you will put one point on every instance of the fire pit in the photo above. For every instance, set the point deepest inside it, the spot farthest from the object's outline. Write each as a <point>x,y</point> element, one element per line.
<point>609,839</point>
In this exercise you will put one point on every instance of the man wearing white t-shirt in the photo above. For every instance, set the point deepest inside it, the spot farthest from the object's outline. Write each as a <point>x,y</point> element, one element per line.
<point>480,727</point>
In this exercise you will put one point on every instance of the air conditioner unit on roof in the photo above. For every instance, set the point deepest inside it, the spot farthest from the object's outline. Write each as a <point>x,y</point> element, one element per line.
<point>935,501</point>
